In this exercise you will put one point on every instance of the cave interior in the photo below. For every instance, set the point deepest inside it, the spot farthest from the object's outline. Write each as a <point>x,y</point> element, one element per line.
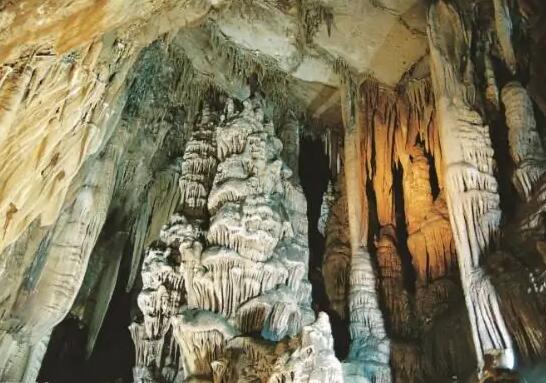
<point>273,191</point>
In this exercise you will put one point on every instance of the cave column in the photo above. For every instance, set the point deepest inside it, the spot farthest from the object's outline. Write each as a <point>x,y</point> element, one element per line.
<point>370,358</point>
<point>470,185</point>
<point>355,172</point>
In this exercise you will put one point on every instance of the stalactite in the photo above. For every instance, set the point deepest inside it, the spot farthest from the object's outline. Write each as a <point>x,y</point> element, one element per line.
<point>525,144</point>
<point>326,206</point>
<point>162,199</point>
<point>357,145</point>
<point>333,149</point>
<point>48,296</point>
<point>247,278</point>
<point>52,111</point>
<point>471,188</point>
<point>384,123</point>
<point>503,26</point>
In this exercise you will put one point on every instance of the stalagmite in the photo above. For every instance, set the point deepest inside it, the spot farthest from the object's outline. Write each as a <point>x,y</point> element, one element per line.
<point>370,347</point>
<point>525,144</point>
<point>492,90</point>
<point>290,138</point>
<point>337,254</point>
<point>198,167</point>
<point>247,278</point>
<point>471,188</point>
<point>395,298</point>
<point>429,232</point>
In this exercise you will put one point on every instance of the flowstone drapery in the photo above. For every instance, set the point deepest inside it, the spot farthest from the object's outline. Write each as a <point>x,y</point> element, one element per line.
<point>225,296</point>
<point>471,187</point>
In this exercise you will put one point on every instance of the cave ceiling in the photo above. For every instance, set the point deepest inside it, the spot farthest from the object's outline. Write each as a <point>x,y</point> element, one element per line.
<point>382,39</point>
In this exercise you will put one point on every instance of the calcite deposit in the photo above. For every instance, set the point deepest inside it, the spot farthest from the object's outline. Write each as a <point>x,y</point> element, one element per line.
<point>235,269</point>
<point>272,191</point>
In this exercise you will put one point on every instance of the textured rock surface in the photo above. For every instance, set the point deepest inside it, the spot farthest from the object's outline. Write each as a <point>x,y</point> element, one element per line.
<point>429,266</point>
<point>471,188</point>
<point>525,143</point>
<point>212,297</point>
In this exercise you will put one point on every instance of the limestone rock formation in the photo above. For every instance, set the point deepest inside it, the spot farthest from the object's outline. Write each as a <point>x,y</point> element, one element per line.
<point>525,144</point>
<point>211,284</point>
<point>471,188</point>
<point>272,191</point>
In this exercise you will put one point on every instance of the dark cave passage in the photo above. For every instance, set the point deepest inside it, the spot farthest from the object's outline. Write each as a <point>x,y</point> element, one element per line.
<point>113,355</point>
<point>314,177</point>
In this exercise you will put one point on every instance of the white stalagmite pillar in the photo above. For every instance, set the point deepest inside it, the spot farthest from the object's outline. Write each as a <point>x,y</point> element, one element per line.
<point>471,188</point>
<point>225,291</point>
<point>370,347</point>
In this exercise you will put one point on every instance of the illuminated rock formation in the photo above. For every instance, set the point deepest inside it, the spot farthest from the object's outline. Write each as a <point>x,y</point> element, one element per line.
<point>161,165</point>
<point>247,278</point>
<point>470,185</point>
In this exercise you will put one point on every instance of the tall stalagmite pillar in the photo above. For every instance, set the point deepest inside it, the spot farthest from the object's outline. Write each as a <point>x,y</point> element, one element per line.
<point>468,166</point>
<point>225,295</point>
<point>370,347</point>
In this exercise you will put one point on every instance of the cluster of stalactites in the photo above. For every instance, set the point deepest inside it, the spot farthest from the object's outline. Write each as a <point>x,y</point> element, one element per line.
<point>401,130</point>
<point>198,167</point>
<point>245,275</point>
<point>332,142</point>
<point>399,153</point>
<point>162,296</point>
<point>392,124</point>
